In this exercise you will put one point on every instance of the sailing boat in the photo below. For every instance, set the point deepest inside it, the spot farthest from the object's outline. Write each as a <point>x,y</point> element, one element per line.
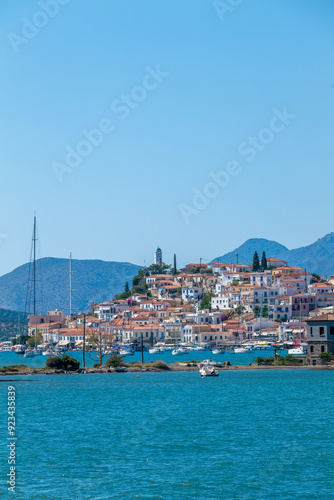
<point>30,353</point>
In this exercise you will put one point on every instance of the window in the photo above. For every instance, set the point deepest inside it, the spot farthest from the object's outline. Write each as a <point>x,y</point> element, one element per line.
<point>311,349</point>
<point>331,331</point>
<point>322,348</point>
<point>311,333</point>
<point>322,331</point>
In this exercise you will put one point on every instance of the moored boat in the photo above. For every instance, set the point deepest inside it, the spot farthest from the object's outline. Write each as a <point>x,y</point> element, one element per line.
<point>208,371</point>
<point>217,351</point>
<point>48,352</point>
<point>239,350</point>
<point>29,353</point>
<point>177,352</point>
<point>154,350</point>
<point>20,349</point>
<point>210,362</point>
<point>297,351</point>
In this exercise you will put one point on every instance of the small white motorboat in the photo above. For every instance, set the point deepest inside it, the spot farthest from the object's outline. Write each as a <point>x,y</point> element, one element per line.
<point>125,352</point>
<point>48,352</point>
<point>210,362</point>
<point>154,350</point>
<point>297,351</point>
<point>208,371</point>
<point>29,353</point>
<point>217,351</point>
<point>177,352</point>
<point>239,350</point>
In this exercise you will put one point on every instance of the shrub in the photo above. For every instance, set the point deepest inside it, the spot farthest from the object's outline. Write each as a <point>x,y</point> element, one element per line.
<point>280,360</point>
<point>54,362</point>
<point>69,363</point>
<point>115,360</point>
<point>65,363</point>
<point>325,356</point>
<point>13,368</point>
<point>160,364</point>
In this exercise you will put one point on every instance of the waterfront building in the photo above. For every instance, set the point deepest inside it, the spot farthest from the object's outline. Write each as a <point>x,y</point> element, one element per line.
<point>320,337</point>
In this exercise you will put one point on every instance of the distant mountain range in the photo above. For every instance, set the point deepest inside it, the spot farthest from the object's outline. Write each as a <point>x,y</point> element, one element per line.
<point>92,281</point>
<point>315,258</point>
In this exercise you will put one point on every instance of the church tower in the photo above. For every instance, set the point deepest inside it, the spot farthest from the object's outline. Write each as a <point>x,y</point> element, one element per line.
<point>158,256</point>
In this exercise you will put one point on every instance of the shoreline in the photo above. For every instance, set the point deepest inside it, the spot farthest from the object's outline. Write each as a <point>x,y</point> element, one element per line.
<point>175,367</point>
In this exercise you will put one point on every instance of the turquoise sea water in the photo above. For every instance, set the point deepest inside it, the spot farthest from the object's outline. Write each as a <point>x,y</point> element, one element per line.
<point>10,358</point>
<point>243,435</point>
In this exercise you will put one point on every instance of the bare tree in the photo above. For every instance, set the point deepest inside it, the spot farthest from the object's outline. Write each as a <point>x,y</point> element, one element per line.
<point>101,347</point>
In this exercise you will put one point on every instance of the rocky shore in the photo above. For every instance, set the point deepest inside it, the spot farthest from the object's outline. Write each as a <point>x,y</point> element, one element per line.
<point>175,367</point>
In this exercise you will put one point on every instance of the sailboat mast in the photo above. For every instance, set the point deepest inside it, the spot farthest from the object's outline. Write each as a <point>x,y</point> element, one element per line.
<point>34,278</point>
<point>70,284</point>
<point>34,264</point>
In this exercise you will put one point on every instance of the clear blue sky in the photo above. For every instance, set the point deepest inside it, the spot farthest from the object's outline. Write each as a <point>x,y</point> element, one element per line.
<point>225,76</point>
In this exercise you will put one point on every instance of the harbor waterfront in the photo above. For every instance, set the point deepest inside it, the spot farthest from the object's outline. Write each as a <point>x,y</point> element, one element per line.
<point>245,435</point>
<point>239,359</point>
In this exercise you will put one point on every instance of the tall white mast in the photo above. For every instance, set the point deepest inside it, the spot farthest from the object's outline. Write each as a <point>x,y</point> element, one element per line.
<point>70,284</point>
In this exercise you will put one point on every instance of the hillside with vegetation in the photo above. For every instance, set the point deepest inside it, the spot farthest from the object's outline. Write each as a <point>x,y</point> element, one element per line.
<point>10,322</point>
<point>316,258</point>
<point>92,281</point>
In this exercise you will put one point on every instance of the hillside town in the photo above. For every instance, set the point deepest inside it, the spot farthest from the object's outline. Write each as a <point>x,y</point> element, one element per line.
<point>222,305</point>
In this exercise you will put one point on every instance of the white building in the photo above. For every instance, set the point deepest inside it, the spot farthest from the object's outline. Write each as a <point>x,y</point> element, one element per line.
<point>205,316</point>
<point>256,324</point>
<point>226,299</point>
<point>50,337</point>
<point>107,310</point>
<point>192,294</point>
<point>261,279</point>
<point>188,334</point>
<point>282,310</point>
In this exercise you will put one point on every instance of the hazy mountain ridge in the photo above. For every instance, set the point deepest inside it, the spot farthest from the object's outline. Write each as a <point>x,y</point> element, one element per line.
<point>92,281</point>
<point>11,323</point>
<point>317,257</point>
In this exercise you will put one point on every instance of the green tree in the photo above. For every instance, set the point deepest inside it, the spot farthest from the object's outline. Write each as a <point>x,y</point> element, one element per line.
<point>206,301</point>
<point>157,269</point>
<point>264,264</point>
<point>65,363</point>
<point>125,295</point>
<point>139,284</point>
<point>114,360</point>
<point>174,267</point>
<point>325,356</point>
<point>31,340</point>
<point>22,339</point>
<point>256,262</point>
<point>240,309</point>
<point>265,312</point>
<point>256,311</point>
